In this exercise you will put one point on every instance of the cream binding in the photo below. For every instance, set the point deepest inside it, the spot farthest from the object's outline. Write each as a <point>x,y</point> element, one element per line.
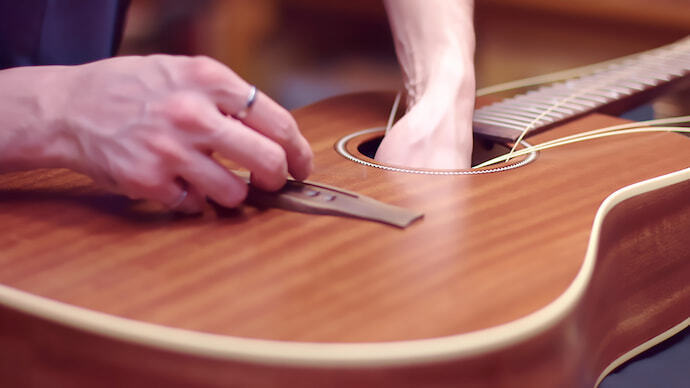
<point>336,355</point>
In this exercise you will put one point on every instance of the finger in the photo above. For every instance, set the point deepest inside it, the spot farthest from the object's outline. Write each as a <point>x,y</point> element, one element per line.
<point>172,193</point>
<point>273,121</point>
<point>259,154</point>
<point>209,178</point>
<point>191,201</point>
<point>230,94</point>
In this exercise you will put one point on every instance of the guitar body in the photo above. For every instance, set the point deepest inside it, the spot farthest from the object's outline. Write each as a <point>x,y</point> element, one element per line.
<point>539,276</point>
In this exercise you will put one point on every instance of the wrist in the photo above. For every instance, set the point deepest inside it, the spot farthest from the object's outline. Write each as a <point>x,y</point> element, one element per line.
<point>450,82</point>
<point>30,132</point>
<point>443,109</point>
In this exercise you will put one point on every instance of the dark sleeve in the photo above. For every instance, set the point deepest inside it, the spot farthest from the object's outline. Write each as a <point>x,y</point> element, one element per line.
<point>59,32</point>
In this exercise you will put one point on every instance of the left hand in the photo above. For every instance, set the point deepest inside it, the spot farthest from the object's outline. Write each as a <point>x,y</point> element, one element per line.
<point>434,41</point>
<point>436,132</point>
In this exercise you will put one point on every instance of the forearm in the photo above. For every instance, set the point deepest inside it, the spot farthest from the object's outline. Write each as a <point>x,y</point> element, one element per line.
<point>434,41</point>
<point>30,135</point>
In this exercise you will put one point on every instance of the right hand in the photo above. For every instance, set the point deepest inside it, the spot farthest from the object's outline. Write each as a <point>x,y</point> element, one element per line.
<point>146,127</point>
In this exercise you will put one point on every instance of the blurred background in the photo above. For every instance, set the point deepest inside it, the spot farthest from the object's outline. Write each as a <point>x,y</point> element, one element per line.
<point>301,51</point>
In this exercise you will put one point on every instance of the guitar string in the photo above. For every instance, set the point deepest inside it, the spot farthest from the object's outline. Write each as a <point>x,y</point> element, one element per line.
<point>394,111</point>
<point>616,77</point>
<point>643,126</point>
<point>660,53</point>
<point>540,147</point>
<point>664,121</point>
<point>569,73</point>
<point>552,78</point>
<point>532,81</point>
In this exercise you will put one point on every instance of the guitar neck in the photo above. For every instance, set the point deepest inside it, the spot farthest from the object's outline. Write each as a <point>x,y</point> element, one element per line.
<point>611,89</point>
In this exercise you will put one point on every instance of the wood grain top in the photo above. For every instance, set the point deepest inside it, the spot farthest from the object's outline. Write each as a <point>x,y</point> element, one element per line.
<point>491,248</point>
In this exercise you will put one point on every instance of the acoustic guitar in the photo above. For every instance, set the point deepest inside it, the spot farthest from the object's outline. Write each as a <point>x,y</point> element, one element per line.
<point>545,271</point>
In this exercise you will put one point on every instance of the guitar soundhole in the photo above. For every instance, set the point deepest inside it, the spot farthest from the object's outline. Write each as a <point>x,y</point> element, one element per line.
<point>369,147</point>
<point>482,150</point>
<point>361,146</point>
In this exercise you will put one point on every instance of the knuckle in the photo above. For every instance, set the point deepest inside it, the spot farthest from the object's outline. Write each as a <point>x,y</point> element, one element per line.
<point>305,156</point>
<point>166,149</point>
<point>144,181</point>
<point>274,160</point>
<point>205,70</point>
<point>157,59</point>
<point>148,182</point>
<point>286,130</point>
<point>181,109</point>
<point>236,195</point>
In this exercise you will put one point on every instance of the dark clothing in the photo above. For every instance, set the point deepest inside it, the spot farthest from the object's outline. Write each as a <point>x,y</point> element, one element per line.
<point>59,32</point>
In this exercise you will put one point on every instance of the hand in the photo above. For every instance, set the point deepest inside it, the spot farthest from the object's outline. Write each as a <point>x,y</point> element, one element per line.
<point>436,132</point>
<point>410,142</point>
<point>434,41</point>
<point>147,127</point>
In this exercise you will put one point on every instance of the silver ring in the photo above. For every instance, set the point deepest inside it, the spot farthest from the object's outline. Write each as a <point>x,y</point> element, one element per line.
<point>251,98</point>
<point>180,199</point>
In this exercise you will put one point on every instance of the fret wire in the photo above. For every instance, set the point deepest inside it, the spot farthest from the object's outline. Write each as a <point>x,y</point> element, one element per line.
<point>611,91</point>
<point>633,85</point>
<point>532,108</point>
<point>613,95</point>
<point>531,112</point>
<point>577,99</point>
<point>633,76</point>
<point>588,101</point>
<point>568,93</point>
<point>504,113</point>
<point>551,101</point>
<point>514,117</point>
<point>640,82</point>
<point>494,123</point>
<point>667,65</point>
<point>620,90</point>
<point>669,72</point>
<point>573,98</point>
<point>645,81</point>
<point>684,59</point>
<point>553,95</point>
<point>667,75</point>
<point>548,104</point>
<point>508,120</point>
<point>562,100</point>
<point>542,107</point>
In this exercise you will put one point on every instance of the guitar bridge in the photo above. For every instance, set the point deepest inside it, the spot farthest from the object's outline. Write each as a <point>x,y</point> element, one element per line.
<point>316,198</point>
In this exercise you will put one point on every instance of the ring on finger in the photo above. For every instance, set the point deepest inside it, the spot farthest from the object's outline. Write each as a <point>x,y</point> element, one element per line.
<point>251,98</point>
<point>180,199</point>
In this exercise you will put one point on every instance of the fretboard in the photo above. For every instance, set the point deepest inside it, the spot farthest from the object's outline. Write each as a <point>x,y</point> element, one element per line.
<point>547,106</point>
